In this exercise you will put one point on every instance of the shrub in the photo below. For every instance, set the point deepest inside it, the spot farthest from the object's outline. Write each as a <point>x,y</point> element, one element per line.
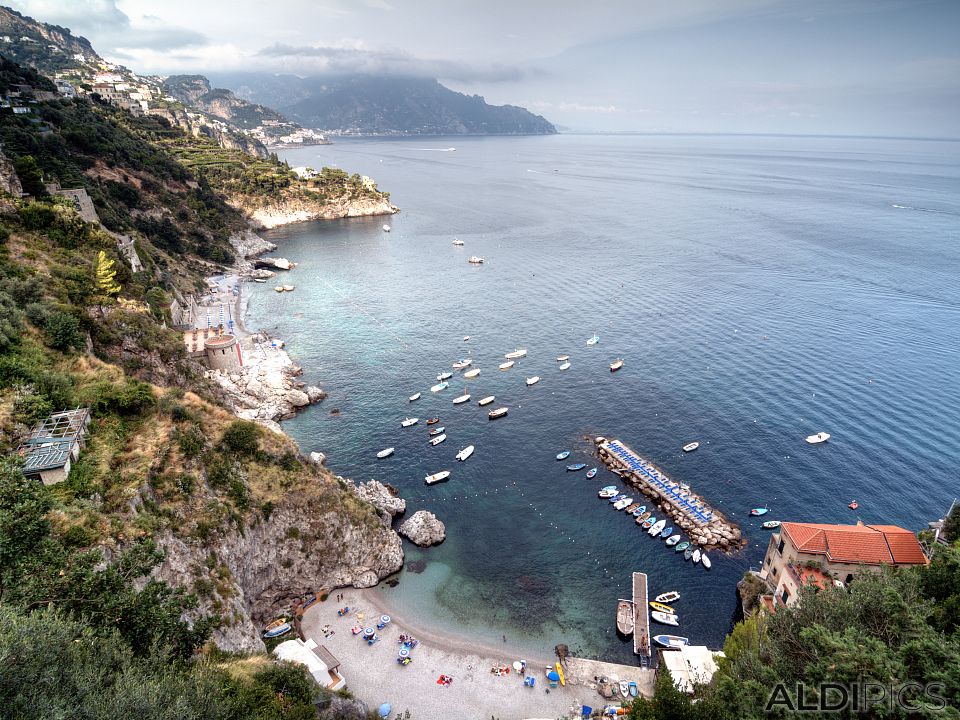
<point>30,176</point>
<point>63,331</point>
<point>10,322</point>
<point>129,397</point>
<point>242,436</point>
<point>190,440</point>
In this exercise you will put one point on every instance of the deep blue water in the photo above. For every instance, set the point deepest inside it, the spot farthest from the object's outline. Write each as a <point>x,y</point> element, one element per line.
<point>760,289</point>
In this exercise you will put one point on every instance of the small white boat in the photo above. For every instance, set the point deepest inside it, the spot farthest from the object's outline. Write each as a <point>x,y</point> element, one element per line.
<point>385,453</point>
<point>465,453</point>
<point>625,688</point>
<point>616,365</point>
<point>519,353</point>
<point>407,422</point>
<point>690,447</point>
<point>466,337</point>
<point>487,400</point>
<point>697,555</point>
<point>461,364</point>
<point>475,260</point>
<point>461,399</point>
<point>608,492</point>
<point>665,618</point>
<point>657,527</point>
<point>440,386</point>
<point>533,380</point>
<point>415,396</point>
<point>705,561</point>
<point>471,373</point>
<point>437,477</point>
<point>565,366</point>
<point>818,438</point>
<point>668,597</point>
<point>438,439</point>
<point>444,376</point>
<point>506,365</point>
<point>498,413</point>
<point>621,504</point>
<point>562,358</point>
<point>259,280</point>
<point>386,228</point>
<point>457,241</point>
<point>594,340</point>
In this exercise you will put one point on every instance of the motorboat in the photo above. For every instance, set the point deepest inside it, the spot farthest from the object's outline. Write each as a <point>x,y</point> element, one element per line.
<point>594,340</point>
<point>697,555</point>
<point>565,366</point>
<point>608,492</point>
<point>616,365</point>
<point>437,477</point>
<point>757,512</point>
<point>458,242</point>
<point>444,376</point>
<point>466,337</point>
<point>440,386</point>
<point>461,399</point>
<point>683,547</point>
<point>475,260</point>
<point>487,400</point>
<point>438,439</point>
<point>465,453</point>
<point>562,358</point>
<point>415,396</point>
<point>671,641</point>
<point>674,539</point>
<point>705,561</point>
<point>661,607</point>
<point>818,438</point>
<point>608,487</point>
<point>665,618</point>
<point>622,503</point>
<point>690,447</point>
<point>516,354</point>
<point>437,431</point>
<point>407,422</point>
<point>657,527</point>
<point>386,228</point>
<point>462,363</point>
<point>433,421</point>
<point>576,466</point>
<point>563,455</point>
<point>591,473</point>
<point>506,365</point>
<point>668,597</point>
<point>498,413</point>
<point>771,524</point>
<point>385,453</point>
<point>471,373</point>
<point>617,498</point>
<point>533,380</point>
<point>625,617</point>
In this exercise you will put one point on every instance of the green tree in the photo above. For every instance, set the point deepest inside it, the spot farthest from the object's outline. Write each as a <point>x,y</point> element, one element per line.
<point>63,331</point>
<point>31,178</point>
<point>951,524</point>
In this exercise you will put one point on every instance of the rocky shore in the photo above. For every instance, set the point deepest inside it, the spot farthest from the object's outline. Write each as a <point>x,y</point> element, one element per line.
<point>291,211</point>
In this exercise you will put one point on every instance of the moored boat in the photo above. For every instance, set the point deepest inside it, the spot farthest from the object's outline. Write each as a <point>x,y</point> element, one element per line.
<point>665,618</point>
<point>683,547</point>
<point>516,354</point>
<point>465,453</point>
<point>498,413</point>
<point>471,373</point>
<point>565,366</point>
<point>563,455</point>
<point>625,619</point>
<point>594,340</point>
<point>437,477</point>
<point>818,438</point>
<point>487,400</point>
<point>438,439</point>
<point>385,453</point>
<point>433,421</point>
<point>407,422</point>
<point>666,533</point>
<point>608,492</point>
<point>533,380</point>
<point>668,597</point>
<point>621,504</point>
<point>616,365</point>
<point>657,527</point>
<point>591,473</point>
<point>705,561</point>
<point>462,363</point>
<point>662,607</point>
<point>562,358</point>
<point>415,396</point>
<point>757,512</point>
<point>639,511</point>
<point>697,555</point>
<point>506,365</point>
<point>690,447</point>
<point>440,386</point>
<point>444,376</point>
<point>475,260</point>
<point>461,399</point>
<point>649,522</point>
<point>674,539</point>
<point>437,431</point>
<point>771,524</point>
<point>576,466</point>
<point>671,641</point>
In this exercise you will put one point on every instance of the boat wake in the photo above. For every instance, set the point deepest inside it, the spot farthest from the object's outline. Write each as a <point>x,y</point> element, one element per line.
<point>919,209</point>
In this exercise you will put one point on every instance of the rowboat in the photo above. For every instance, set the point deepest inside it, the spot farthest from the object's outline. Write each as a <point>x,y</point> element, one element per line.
<point>625,619</point>
<point>643,516</point>
<point>415,396</point>
<point>433,421</point>
<point>683,546</point>
<point>594,340</point>
<point>440,386</point>
<point>697,555</point>
<point>437,431</point>
<point>533,380</point>
<point>616,365</point>
<point>631,508</point>
<point>649,522</point>
<point>576,466</point>
<point>519,353</point>
<point>673,540</point>
<point>665,618</point>
<point>688,553</point>
<point>671,641</point>
<point>385,453</point>
<point>465,453</point>
<point>487,400</point>
<point>506,365</point>
<point>705,561</point>
<point>563,455</point>
<point>771,524</point>
<point>277,628</point>
<point>471,373</point>
<point>690,447</point>
<point>444,376</point>
<point>462,363</point>
<point>565,366</point>
<point>617,498</point>
<point>634,690</point>
<point>666,533</point>
<point>409,421</point>
<point>461,399</point>
<point>563,358</point>
<point>438,439</point>
<point>437,477</point>
<point>662,607</point>
<point>498,413</point>
<point>657,527</point>
<point>757,512</point>
<point>639,511</point>
<point>818,438</point>
<point>591,473</point>
<point>668,597</point>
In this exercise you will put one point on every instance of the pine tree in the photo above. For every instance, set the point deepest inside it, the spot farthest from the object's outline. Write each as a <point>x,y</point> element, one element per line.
<point>105,275</point>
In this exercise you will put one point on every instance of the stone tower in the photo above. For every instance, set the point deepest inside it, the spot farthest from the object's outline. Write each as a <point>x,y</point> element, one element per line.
<point>223,353</point>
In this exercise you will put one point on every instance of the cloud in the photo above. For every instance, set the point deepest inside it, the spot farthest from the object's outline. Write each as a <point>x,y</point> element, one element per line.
<point>352,57</point>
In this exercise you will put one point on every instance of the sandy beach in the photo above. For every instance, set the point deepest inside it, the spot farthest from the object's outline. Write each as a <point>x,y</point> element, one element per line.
<point>374,676</point>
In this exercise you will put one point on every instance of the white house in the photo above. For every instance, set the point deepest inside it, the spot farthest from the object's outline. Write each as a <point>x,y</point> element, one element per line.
<point>319,661</point>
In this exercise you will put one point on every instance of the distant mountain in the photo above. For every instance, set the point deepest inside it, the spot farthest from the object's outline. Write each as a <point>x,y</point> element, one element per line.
<point>48,48</point>
<point>384,105</point>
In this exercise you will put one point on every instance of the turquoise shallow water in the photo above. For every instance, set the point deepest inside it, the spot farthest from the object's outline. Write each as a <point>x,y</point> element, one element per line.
<point>760,289</point>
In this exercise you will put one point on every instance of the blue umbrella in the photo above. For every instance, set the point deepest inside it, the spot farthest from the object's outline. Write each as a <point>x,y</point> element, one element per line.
<point>384,710</point>
<point>368,631</point>
<point>552,675</point>
<point>404,652</point>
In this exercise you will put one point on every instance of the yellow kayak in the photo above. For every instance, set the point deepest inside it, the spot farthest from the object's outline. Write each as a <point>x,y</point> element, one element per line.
<point>662,608</point>
<point>563,680</point>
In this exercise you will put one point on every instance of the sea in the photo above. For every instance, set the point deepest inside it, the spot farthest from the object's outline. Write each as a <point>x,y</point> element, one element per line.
<point>759,289</point>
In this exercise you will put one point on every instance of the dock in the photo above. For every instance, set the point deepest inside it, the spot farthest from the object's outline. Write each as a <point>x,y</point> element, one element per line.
<point>705,525</point>
<point>641,615</point>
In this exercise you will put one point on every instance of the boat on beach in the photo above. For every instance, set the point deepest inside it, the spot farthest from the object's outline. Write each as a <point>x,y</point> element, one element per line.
<point>465,453</point>
<point>385,453</point>
<point>438,439</point>
<point>471,373</point>
<point>668,597</point>
<point>407,422</point>
<point>415,396</point>
<point>616,365</point>
<point>624,688</point>
<point>444,376</point>
<point>818,438</point>
<point>436,477</point>
<point>506,365</point>
<point>671,641</point>
<point>665,618</point>
<point>690,447</point>
<point>594,340</point>
<point>634,690</point>
<point>498,413</point>
<point>276,629</point>
<point>565,366</point>
<point>649,522</point>
<point>440,386</point>
<point>461,399</point>
<point>487,400</point>
<point>533,380</point>
<point>516,354</point>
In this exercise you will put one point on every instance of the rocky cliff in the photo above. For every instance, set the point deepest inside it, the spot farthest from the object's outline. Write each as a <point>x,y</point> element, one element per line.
<point>303,208</point>
<point>9,182</point>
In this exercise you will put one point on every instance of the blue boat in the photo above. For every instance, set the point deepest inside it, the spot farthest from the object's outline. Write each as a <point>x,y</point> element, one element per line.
<point>563,455</point>
<point>670,641</point>
<point>591,473</point>
<point>277,630</point>
<point>618,498</point>
<point>576,466</point>
<point>640,511</point>
<point>667,533</point>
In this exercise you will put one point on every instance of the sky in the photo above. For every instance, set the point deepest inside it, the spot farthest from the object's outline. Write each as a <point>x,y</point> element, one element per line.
<point>845,67</point>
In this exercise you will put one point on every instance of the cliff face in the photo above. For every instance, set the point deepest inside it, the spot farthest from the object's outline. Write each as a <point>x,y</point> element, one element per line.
<point>9,182</point>
<point>300,210</point>
<point>195,90</point>
<point>224,136</point>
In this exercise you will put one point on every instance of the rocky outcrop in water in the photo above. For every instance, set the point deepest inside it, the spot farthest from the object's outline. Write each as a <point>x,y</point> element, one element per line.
<point>385,498</point>
<point>300,210</point>
<point>423,528</point>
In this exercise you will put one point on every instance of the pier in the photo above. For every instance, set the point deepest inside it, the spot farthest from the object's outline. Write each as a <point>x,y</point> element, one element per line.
<point>706,526</point>
<point>641,615</point>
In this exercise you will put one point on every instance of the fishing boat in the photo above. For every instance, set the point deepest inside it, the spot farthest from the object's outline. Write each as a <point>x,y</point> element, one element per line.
<point>457,241</point>
<point>563,455</point>
<point>631,508</point>
<point>594,340</point>
<point>440,386</point>
<point>475,260</point>
<point>643,516</point>
<point>386,228</point>
<point>576,466</point>
<point>259,280</point>
<point>277,628</point>
<point>634,690</point>
<point>385,453</point>
<point>757,512</point>
<point>671,641</point>
<point>690,447</point>
<point>662,607</point>
<point>533,380</point>
<point>437,431</point>
<point>668,597</point>
<point>407,422</point>
<point>705,561</point>
<point>487,400</point>
<point>436,477</point>
<point>433,421</point>
<point>674,539</point>
<point>444,376</point>
<point>506,365</point>
<point>616,365</point>
<point>666,533</point>
<point>562,358</point>
<point>624,688</point>
<point>665,618</point>
<point>649,522</point>
<point>461,399</point>
<point>498,413</point>
<point>591,473</point>
<point>471,373</point>
<point>565,366</point>
<point>697,555</point>
<point>462,363</point>
<point>415,396</point>
<point>438,439</point>
<point>657,527</point>
<point>683,547</point>
<point>516,354</point>
<point>625,618</point>
<point>465,453</point>
<point>771,524</point>
<point>818,438</point>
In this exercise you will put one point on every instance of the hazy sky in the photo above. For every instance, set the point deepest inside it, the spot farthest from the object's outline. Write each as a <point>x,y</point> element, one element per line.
<point>882,67</point>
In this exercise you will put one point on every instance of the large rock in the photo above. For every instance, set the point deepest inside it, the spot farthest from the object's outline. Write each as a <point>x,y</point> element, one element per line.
<point>248,244</point>
<point>298,398</point>
<point>383,498</point>
<point>424,529</point>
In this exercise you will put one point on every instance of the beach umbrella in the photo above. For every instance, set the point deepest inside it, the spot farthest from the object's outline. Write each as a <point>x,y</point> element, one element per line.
<point>553,676</point>
<point>517,665</point>
<point>368,631</point>
<point>404,652</point>
<point>384,619</point>
<point>384,710</point>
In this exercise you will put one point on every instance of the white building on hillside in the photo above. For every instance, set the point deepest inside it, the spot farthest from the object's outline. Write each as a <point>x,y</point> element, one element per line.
<point>321,664</point>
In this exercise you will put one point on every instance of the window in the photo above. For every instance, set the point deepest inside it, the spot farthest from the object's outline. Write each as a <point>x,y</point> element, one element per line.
<point>785,596</point>
<point>780,546</point>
